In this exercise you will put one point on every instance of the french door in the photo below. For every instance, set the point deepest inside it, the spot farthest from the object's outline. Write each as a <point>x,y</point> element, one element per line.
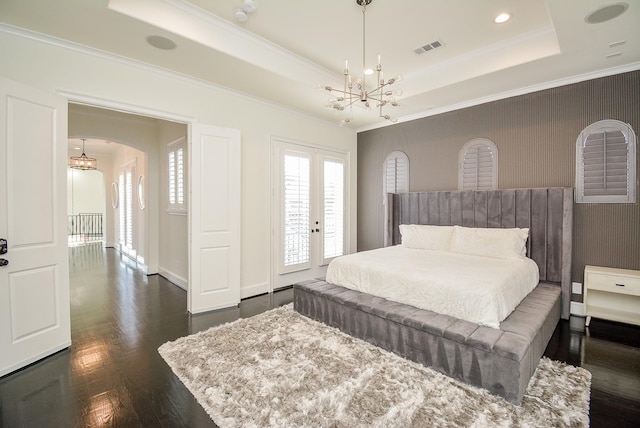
<point>309,211</point>
<point>127,229</point>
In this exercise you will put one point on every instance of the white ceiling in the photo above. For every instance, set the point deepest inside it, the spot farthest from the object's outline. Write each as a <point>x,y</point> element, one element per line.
<point>288,48</point>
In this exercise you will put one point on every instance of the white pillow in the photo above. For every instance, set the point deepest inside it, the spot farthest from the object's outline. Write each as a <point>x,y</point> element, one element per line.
<point>426,237</point>
<point>490,242</point>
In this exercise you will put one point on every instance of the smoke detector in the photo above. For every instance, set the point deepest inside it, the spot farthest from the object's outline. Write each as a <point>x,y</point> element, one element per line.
<point>242,14</point>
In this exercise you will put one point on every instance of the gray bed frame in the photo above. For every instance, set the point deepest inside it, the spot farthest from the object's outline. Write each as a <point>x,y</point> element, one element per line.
<point>499,360</point>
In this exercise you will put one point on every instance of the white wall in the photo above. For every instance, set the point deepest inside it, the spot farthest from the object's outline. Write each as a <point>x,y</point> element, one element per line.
<point>73,72</point>
<point>174,237</point>
<point>85,192</point>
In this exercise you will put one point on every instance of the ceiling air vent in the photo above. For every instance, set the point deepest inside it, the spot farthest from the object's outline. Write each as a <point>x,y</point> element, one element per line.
<point>428,47</point>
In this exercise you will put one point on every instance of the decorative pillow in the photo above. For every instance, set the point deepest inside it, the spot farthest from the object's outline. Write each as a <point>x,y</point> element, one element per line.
<point>490,242</point>
<point>426,237</point>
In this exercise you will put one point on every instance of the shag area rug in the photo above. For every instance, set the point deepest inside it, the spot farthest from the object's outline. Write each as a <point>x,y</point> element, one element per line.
<point>282,369</point>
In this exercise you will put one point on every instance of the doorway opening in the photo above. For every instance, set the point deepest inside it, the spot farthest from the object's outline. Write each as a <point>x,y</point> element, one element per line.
<point>85,207</point>
<point>127,196</point>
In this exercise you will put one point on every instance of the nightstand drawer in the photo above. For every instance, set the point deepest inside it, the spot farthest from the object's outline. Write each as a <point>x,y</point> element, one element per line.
<point>614,283</point>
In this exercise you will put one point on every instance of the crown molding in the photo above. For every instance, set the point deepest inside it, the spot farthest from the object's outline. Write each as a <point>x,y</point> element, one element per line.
<point>509,94</point>
<point>129,62</point>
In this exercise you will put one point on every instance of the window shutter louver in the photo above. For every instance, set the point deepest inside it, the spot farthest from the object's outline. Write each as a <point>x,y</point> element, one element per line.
<point>396,174</point>
<point>296,209</point>
<point>176,176</point>
<point>333,236</point>
<point>129,209</point>
<point>605,163</point>
<point>122,205</point>
<point>172,177</point>
<point>179,171</point>
<point>478,166</point>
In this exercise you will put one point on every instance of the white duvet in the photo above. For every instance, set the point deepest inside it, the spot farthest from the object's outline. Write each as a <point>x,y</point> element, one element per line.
<point>483,290</point>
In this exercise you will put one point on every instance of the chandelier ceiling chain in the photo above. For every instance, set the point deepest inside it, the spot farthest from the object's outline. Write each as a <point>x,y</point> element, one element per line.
<point>83,162</point>
<point>360,95</point>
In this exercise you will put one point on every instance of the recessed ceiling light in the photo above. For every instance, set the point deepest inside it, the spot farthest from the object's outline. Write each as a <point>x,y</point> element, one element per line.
<point>606,13</point>
<point>502,18</point>
<point>161,42</point>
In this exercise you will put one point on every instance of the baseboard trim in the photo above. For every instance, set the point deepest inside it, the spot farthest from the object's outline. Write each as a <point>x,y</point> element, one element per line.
<point>174,278</point>
<point>254,290</point>
<point>577,309</point>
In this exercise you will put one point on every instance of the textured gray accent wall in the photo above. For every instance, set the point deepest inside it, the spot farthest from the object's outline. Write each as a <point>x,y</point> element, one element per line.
<point>536,136</point>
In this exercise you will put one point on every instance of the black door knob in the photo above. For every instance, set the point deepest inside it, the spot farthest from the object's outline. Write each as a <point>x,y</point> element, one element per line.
<point>4,262</point>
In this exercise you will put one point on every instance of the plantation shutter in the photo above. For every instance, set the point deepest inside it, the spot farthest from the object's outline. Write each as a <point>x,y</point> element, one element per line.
<point>396,174</point>
<point>333,207</point>
<point>296,209</point>
<point>172,177</point>
<point>179,176</point>
<point>126,208</point>
<point>176,173</point>
<point>122,207</point>
<point>129,208</point>
<point>478,165</point>
<point>606,163</point>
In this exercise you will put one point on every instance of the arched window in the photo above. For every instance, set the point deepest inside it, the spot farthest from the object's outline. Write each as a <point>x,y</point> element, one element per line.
<point>478,165</point>
<point>395,178</point>
<point>606,163</point>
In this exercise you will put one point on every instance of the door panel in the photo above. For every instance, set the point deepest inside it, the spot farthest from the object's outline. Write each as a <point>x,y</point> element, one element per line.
<point>333,203</point>
<point>295,253</point>
<point>34,286</point>
<point>214,218</point>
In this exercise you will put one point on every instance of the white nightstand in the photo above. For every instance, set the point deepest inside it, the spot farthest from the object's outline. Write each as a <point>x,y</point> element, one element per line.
<point>612,294</point>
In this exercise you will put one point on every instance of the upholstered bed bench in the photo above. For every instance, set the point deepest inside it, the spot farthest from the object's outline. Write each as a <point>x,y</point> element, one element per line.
<point>499,360</point>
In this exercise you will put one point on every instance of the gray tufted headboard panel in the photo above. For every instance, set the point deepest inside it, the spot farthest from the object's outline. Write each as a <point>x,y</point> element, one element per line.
<point>547,212</point>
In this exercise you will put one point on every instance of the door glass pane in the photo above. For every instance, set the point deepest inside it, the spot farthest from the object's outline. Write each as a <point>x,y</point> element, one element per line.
<point>129,209</point>
<point>122,209</point>
<point>333,225</point>
<point>296,209</point>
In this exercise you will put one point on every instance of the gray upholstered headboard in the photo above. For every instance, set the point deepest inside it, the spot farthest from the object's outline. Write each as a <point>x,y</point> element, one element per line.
<point>547,212</point>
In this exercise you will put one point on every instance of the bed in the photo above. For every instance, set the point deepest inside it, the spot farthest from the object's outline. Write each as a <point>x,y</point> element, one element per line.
<point>499,356</point>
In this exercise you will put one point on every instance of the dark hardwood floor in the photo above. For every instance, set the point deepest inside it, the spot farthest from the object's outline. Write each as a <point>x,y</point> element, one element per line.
<point>112,375</point>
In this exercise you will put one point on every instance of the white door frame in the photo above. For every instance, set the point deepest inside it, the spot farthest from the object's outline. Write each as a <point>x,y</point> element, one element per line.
<point>274,201</point>
<point>76,98</point>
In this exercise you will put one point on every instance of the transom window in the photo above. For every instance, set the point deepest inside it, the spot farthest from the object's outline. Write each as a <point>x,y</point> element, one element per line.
<point>606,163</point>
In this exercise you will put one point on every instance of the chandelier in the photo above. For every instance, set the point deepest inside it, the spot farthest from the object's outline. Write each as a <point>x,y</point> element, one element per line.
<point>83,162</point>
<point>357,93</point>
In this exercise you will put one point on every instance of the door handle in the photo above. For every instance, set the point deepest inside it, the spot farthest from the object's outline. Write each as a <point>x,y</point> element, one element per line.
<point>4,262</point>
<point>3,246</point>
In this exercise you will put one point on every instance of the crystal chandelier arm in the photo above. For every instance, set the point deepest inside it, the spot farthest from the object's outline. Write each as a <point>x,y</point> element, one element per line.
<point>357,91</point>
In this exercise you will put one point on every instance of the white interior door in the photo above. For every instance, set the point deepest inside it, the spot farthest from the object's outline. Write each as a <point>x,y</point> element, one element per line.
<point>214,218</point>
<point>309,211</point>
<point>34,285</point>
